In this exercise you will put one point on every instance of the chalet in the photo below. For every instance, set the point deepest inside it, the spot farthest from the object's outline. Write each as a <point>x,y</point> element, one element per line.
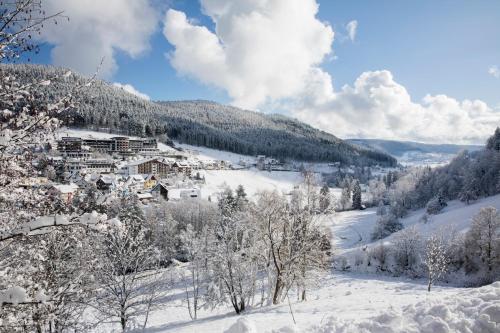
<point>65,191</point>
<point>105,183</point>
<point>150,181</point>
<point>135,183</point>
<point>160,191</point>
<point>80,181</point>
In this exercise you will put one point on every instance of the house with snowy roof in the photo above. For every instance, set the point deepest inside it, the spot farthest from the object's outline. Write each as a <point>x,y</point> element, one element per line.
<point>66,192</point>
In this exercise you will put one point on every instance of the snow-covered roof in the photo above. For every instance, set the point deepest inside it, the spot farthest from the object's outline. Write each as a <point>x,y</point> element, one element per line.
<point>144,195</point>
<point>135,179</point>
<point>66,188</point>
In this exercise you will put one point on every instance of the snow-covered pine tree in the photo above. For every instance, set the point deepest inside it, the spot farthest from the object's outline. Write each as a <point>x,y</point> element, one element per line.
<point>345,196</point>
<point>356,196</point>
<point>386,225</point>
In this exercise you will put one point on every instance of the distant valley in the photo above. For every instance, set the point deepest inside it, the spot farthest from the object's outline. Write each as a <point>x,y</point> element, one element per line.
<point>415,153</point>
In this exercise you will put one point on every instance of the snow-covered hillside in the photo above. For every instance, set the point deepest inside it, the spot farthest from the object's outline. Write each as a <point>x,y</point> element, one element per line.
<point>352,229</point>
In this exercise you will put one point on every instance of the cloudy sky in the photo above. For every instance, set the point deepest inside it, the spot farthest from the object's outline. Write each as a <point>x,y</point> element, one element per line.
<point>426,70</point>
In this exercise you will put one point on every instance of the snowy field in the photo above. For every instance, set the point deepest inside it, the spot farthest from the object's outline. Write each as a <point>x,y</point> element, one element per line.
<point>253,181</point>
<point>344,303</point>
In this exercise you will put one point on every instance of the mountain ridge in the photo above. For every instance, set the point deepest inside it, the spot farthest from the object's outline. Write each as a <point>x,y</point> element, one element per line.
<point>197,122</point>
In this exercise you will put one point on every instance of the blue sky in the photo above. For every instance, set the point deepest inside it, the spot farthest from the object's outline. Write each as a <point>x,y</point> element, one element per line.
<point>436,47</point>
<point>427,47</point>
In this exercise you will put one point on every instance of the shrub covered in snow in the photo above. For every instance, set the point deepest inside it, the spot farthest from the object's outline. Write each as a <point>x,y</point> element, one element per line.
<point>386,225</point>
<point>435,205</point>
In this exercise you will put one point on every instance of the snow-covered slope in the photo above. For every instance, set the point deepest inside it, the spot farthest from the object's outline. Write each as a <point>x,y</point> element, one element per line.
<point>348,303</point>
<point>353,228</point>
<point>207,154</point>
<point>253,181</point>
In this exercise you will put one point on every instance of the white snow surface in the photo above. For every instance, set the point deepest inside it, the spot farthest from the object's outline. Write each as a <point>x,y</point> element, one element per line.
<point>209,154</point>
<point>349,302</point>
<point>253,181</point>
<point>468,311</point>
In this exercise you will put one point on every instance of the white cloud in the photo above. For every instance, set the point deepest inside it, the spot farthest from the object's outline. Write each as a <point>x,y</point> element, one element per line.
<point>267,54</point>
<point>495,71</point>
<point>260,51</point>
<point>376,106</point>
<point>130,89</point>
<point>97,29</point>
<point>351,28</point>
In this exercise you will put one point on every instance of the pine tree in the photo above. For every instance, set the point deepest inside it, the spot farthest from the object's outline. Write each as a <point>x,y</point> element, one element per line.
<point>324,198</point>
<point>356,196</point>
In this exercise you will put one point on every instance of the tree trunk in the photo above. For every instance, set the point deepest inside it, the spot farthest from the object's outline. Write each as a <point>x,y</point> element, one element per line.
<point>123,321</point>
<point>429,285</point>
<point>277,290</point>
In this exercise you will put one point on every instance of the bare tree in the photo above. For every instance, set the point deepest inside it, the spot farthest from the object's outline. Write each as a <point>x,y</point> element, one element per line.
<point>195,248</point>
<point>127,268</point>
<point>20,22</point>
<point>293,245</point>
<point>483,240</point>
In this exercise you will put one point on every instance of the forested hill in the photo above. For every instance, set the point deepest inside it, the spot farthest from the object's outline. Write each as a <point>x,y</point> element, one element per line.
<point>202,123</point>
